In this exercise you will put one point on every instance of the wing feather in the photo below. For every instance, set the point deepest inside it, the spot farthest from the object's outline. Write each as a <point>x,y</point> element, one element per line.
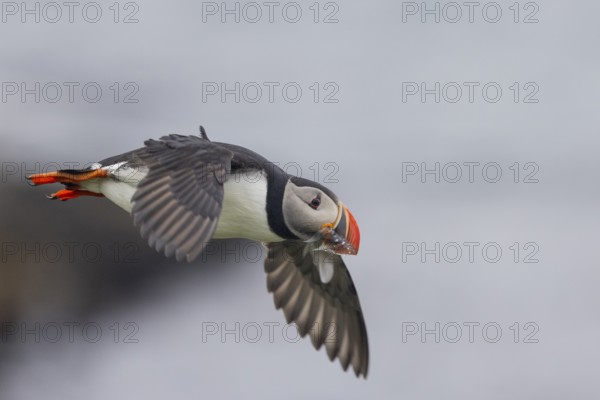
<point>330,312</point>
<point>178,203</point>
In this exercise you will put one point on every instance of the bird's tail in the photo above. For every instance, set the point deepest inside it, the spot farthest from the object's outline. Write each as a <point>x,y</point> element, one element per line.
<point>71,178</point>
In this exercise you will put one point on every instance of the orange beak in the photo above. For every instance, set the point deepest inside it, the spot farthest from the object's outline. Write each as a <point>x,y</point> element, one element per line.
<point>344,238</point>
<point>352,231</point>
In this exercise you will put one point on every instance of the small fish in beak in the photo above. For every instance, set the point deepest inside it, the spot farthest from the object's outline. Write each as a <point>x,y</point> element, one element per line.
<point>342,236</point>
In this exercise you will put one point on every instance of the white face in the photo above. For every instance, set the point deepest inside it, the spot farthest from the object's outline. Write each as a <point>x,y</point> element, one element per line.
<point>306,209</point>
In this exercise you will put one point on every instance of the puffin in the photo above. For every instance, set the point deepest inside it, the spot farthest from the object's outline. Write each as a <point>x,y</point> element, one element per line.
<point>182,191</point>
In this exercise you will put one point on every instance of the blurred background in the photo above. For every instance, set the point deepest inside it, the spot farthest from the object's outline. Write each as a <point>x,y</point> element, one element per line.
<point>463,139</point>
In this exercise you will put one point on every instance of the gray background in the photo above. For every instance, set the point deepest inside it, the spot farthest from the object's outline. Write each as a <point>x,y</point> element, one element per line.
<point>369,133</point>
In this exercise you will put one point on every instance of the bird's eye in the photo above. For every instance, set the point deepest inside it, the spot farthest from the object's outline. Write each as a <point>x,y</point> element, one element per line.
<point>316,202</point>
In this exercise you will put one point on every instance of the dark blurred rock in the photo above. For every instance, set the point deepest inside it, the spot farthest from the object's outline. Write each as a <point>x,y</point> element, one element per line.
<point>68,259</point>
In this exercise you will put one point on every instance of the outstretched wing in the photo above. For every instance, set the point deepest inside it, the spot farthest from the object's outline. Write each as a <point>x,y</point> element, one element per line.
<point>315,290</point>
<point>178,203</point>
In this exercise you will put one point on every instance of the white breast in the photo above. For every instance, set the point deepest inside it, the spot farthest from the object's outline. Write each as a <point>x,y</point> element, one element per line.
<point>244,213</point>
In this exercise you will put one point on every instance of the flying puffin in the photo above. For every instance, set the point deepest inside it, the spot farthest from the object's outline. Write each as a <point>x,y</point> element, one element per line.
<point>184,190</point>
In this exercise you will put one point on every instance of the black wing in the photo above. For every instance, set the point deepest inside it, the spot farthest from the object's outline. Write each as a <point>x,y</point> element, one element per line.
<point>330,312</point>
<point>177,205</point>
